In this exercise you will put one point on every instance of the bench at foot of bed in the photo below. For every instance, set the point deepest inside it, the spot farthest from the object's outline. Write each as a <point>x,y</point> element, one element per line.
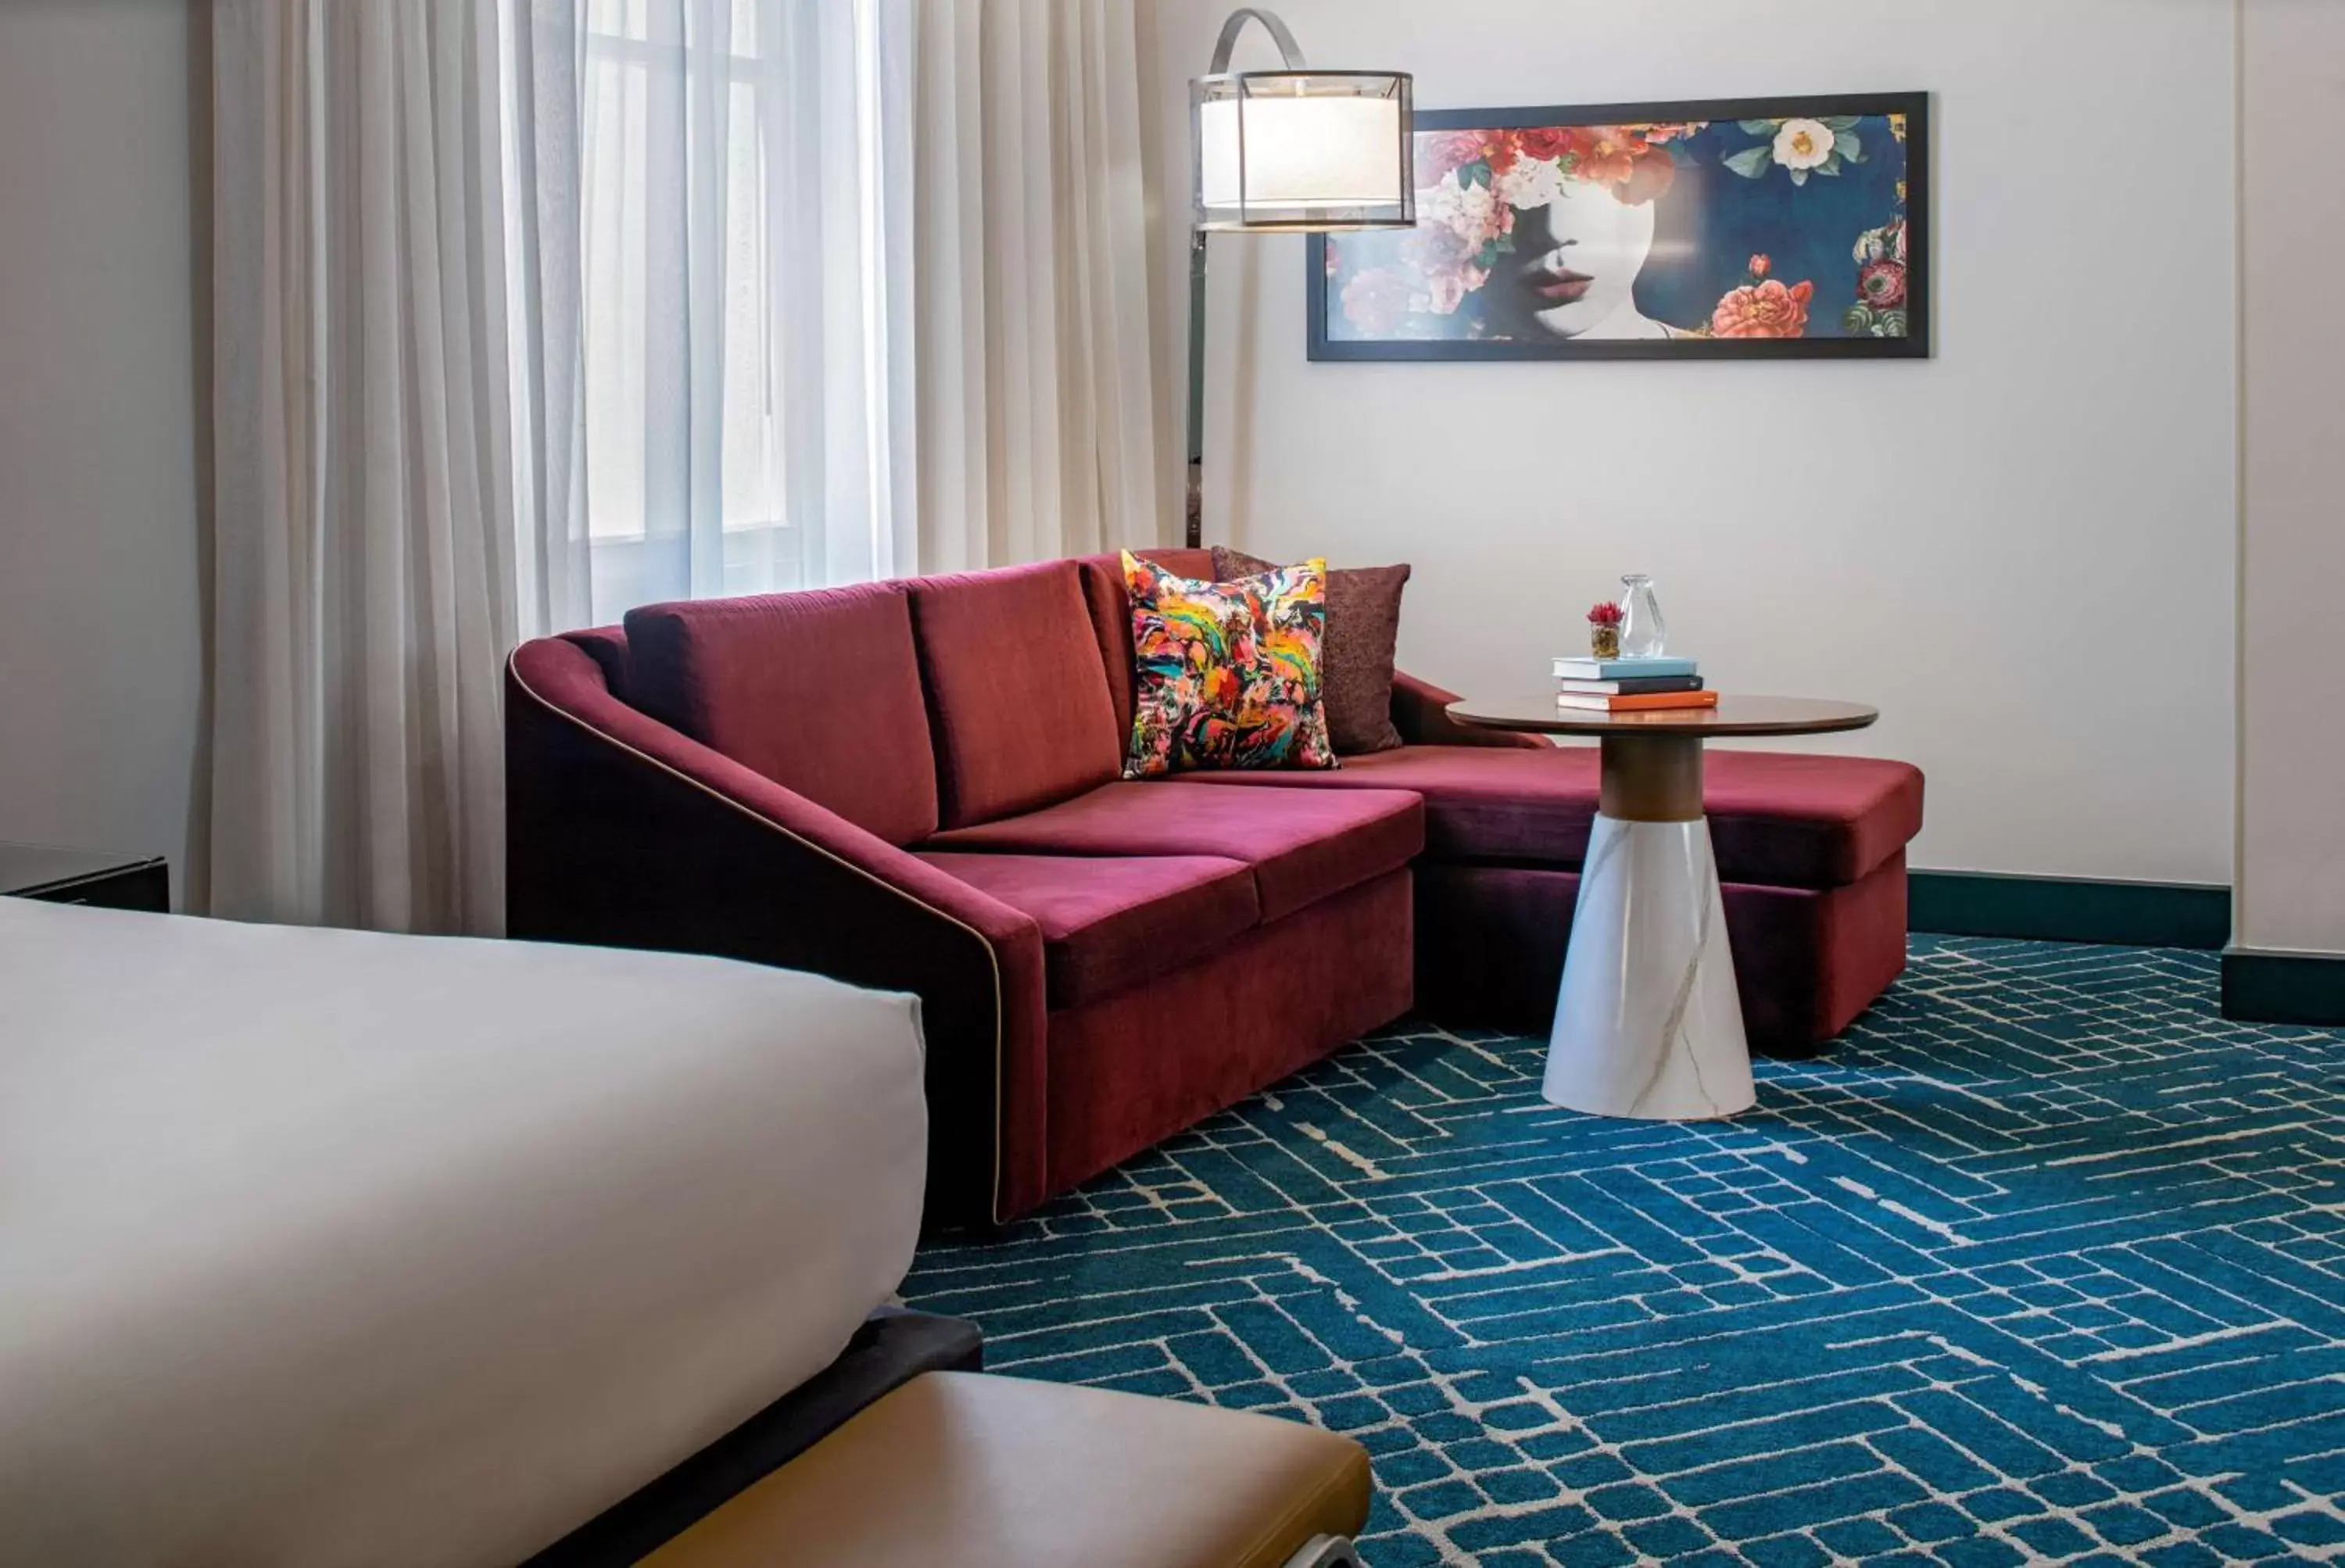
<point>985,1472</point>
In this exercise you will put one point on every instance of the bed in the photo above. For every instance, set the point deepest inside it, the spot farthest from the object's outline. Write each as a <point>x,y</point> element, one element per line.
<point>327,1247</point>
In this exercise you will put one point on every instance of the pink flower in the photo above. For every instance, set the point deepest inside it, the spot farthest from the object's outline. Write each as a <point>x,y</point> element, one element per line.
<point>1445,260</point>
<point>1767,311</point>
<point>1445,291</point>
<point>1441,153</point>
<point>1548,142</point>
<point>1437,248</point>
<point>1376,300</point>
<point>1881,284</point>
<point>1759,265</point>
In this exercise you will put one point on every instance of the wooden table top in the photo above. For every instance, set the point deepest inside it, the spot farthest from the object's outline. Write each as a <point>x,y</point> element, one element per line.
<point>1732,716</point>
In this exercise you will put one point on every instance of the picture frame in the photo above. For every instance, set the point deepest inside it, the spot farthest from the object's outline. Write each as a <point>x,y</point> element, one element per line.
<point>1530,242</point>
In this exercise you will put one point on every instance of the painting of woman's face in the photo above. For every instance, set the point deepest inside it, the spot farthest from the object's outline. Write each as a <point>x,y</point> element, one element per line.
<point>1574,269</point>
<point>1539,237</point>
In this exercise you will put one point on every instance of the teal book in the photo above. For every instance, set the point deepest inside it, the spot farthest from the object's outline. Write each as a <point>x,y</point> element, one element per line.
<point>1619,668</point>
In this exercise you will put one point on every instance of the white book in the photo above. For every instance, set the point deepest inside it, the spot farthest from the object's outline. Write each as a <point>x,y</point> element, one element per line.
<point>1621,668</point>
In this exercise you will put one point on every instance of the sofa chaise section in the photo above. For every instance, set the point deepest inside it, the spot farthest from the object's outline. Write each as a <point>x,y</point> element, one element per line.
<point>1810,856</point>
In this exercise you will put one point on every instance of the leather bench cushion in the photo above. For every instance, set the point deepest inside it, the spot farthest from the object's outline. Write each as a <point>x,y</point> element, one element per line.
<point>1303,844</point>
<point>895,1345</point>
<point>977,1471</point>
<point>1777,818</point>
<point>818,690</point>
<point>1108,922</point>
<point>1016,689</point>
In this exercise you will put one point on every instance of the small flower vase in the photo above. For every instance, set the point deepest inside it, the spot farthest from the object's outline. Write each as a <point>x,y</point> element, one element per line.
<point>1603,639</point>
<point>1642,633</point>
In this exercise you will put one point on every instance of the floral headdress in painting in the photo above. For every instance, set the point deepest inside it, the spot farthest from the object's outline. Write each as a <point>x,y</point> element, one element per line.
<point>1529,164</point>
<point>1470,183</point>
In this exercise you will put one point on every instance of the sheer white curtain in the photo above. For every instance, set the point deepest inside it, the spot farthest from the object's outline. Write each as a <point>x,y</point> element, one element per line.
<point>529,312</point>
<point>864,290</point>
<point>367,558</point>
<point>1028,223</point>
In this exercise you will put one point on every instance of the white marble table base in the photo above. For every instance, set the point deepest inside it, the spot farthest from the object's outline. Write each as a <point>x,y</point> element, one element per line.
<point>1648,1023</point>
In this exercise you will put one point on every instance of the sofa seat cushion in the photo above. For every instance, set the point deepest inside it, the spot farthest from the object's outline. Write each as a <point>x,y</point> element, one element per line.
<point>1303,844</point>
<point>1808,819</point>
<point>1111,921</point>
<point>1777,818</point>
<point>1016,689</point>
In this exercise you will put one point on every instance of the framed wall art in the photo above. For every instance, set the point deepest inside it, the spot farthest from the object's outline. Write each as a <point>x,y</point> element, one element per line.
<point>1731,228</point>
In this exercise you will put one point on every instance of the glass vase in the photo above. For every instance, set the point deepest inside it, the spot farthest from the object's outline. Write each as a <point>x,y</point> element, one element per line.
<point>1643,634</point>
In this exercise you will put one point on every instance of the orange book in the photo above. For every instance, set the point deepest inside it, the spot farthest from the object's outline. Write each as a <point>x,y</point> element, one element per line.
<point>1640,702</point>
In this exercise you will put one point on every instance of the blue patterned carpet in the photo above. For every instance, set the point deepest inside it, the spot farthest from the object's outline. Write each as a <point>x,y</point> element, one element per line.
<point>2044,1261</point>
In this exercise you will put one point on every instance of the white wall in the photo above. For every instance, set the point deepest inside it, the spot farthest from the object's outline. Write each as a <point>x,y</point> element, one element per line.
<point>99,646</point>
<point>2021,550</point>
<point>2290,892</point>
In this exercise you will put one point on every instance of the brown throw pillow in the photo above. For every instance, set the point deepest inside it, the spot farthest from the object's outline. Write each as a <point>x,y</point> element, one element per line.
<point>1356,659</point>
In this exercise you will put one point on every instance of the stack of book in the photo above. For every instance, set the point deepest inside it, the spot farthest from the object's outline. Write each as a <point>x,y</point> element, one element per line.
<point>1630,684</point>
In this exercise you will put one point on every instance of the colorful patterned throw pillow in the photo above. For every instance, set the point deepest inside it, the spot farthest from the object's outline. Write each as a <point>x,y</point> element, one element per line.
<point>1227,674</point>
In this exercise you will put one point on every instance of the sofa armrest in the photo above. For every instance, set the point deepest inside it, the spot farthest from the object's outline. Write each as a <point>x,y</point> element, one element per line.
<point>1420,712</point>
<point>623,832</point>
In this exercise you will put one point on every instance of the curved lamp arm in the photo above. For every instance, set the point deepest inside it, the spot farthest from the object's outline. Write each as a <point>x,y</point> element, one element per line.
<point>1291,54</point>
<point>1271,25</point>
<point>1397,212</point>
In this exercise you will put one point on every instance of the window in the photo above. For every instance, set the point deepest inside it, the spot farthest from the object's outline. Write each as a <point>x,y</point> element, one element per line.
<point>700,121</point>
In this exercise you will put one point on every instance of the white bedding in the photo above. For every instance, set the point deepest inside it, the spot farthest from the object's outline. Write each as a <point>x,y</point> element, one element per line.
<point>324,1248</point>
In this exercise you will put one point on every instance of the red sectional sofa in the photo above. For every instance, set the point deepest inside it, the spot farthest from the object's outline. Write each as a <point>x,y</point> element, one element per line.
<point>916,785</point>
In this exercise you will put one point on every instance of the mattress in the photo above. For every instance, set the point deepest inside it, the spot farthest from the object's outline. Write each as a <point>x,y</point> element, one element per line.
<point>327,1247</point>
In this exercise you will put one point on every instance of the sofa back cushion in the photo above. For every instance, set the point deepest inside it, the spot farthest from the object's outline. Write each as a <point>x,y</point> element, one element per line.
<point>1017,695</point>
<point>819,691</point>
<point>1111,610</point>
<point>1355,658</point>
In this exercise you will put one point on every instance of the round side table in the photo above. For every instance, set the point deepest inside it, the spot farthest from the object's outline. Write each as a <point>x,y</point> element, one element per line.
<point>1648,1024</point>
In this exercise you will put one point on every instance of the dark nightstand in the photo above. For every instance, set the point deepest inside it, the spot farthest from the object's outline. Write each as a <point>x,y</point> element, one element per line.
<point>103,881</point>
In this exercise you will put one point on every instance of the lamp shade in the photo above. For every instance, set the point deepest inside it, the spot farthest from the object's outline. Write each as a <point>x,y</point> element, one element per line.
<point>1301,150</point>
